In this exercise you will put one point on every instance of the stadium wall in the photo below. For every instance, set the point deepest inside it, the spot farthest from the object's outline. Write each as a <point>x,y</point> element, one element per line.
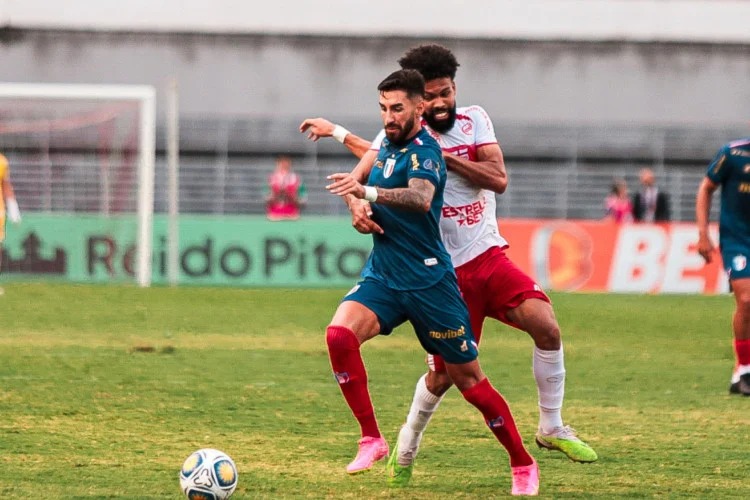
<point>289,77</point>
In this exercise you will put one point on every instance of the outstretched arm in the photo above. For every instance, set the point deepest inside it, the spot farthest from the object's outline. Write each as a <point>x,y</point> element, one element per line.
<point>317,128</point>
<point>702,208</point>
<point>488,172</point>
<point>417,197</point>
<point>320,127</point>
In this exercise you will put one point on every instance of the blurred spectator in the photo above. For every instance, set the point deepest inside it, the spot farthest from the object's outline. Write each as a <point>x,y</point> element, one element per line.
<point>617,204</point>
<point>650,204</point>
<point>8,204</point>
<point>286,192</point>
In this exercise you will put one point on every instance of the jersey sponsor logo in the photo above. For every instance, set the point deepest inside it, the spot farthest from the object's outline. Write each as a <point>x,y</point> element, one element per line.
<point>739,262</point>
<point>448,334</point>
<point>390,164</point>
<point>466,128</point>
<point>466,215</point>
<point>427,165</point>
<point>414,161</point>
<point>432,261</point>
<point>744,187</point>
<point>378,164</point>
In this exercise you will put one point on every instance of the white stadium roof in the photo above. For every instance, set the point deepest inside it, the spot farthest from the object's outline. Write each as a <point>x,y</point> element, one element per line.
<point>702,21</point>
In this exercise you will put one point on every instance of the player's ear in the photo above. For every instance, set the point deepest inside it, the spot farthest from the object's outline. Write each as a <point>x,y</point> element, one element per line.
<point>419,109</point>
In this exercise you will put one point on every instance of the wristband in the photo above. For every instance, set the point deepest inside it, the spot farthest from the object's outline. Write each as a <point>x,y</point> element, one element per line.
<point>371,194</point>
<point>339,133</point>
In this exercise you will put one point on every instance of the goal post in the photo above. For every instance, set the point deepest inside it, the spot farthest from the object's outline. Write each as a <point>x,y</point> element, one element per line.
<point>35,115</point>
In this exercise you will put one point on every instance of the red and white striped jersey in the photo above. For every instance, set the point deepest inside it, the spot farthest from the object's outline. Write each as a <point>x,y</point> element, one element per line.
<point>468,224</point>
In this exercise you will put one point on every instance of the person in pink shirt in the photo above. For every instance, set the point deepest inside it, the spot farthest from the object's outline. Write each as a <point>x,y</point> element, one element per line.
<point>617,204</point>
<point>286,192</point>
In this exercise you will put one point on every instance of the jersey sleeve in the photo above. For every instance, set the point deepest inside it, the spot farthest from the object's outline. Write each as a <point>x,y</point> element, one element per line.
<point>718,169</point>
<point>375,144</point>
<point>485,131</point>
<point>425,163</point>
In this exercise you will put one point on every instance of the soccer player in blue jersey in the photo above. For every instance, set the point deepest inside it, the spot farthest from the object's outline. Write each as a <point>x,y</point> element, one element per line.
<point>409,277</point>
<point>730,169</point>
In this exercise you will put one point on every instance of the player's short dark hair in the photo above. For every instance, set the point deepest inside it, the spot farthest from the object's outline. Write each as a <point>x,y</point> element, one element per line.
<point>432,61</point>
<point>408,80</point>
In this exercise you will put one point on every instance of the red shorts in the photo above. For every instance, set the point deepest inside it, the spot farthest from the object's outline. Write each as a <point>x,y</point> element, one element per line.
<point>492,285</point>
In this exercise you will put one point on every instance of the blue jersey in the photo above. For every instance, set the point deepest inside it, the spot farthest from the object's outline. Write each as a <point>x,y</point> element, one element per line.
<point>409,255</point>
<point>731,170</point>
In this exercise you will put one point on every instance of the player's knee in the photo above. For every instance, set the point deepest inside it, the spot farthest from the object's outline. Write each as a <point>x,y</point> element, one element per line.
<point>339,337</point>
<point>547,336</point>
<point>438,383</point>
<point>743,302</point>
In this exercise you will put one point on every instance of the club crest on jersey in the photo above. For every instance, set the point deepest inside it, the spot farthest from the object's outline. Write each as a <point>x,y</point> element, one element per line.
<point>466,128</point>
<point>390,164</point>
<point>739,262</point>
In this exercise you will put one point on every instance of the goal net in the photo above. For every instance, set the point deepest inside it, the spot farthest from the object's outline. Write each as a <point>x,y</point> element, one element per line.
<point>82,165</point>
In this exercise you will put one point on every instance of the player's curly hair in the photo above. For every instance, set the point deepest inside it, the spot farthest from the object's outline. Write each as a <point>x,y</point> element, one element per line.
<point>431,60</point>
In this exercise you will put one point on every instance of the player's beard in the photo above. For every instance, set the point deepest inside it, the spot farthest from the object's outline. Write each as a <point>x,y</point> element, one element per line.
<point>441,126</point>
<point>399,138</point>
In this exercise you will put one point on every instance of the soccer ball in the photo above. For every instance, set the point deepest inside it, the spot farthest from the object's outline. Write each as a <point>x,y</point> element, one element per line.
<point>208,474</point>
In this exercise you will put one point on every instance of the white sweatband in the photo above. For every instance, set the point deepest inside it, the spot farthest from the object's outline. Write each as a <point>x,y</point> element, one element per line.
<point>371,194</point>
<point>339,133</point>
<point>14,214</point>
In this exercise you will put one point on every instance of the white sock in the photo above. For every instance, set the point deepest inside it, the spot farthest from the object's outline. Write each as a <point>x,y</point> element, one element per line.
<point>739,371</point>
<point>549,373</point>
<point>423,405</point>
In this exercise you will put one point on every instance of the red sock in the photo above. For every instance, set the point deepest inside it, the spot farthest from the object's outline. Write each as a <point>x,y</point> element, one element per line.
<point>742,351</point>
<point>349,369</point>
<point>499,419</point>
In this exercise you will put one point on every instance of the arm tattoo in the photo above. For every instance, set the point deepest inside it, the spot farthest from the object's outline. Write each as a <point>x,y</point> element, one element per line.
<point>417,196</point>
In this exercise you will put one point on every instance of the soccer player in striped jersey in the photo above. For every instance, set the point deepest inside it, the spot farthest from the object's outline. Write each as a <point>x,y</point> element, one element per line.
<point>730,170</point>
<point>409,277</point>
<point>491,284</point>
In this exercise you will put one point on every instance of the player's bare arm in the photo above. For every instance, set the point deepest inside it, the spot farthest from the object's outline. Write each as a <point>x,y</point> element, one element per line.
<point>706,190</point>
<point>418,196</point>
<point>318,128</point>
<point>488,172</point>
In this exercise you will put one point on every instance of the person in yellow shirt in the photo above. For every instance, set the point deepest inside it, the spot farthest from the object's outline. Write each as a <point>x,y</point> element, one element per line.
<point>8,204</point>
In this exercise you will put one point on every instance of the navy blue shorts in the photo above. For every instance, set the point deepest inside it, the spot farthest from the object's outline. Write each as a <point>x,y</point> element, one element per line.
<point>735,256</point>
<point>438,314</point>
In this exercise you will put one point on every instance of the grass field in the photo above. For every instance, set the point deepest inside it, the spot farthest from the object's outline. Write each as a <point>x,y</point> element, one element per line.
<point>88,413</point>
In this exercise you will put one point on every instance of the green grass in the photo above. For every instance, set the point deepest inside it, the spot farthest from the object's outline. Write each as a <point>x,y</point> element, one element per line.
<point>86,413</point>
